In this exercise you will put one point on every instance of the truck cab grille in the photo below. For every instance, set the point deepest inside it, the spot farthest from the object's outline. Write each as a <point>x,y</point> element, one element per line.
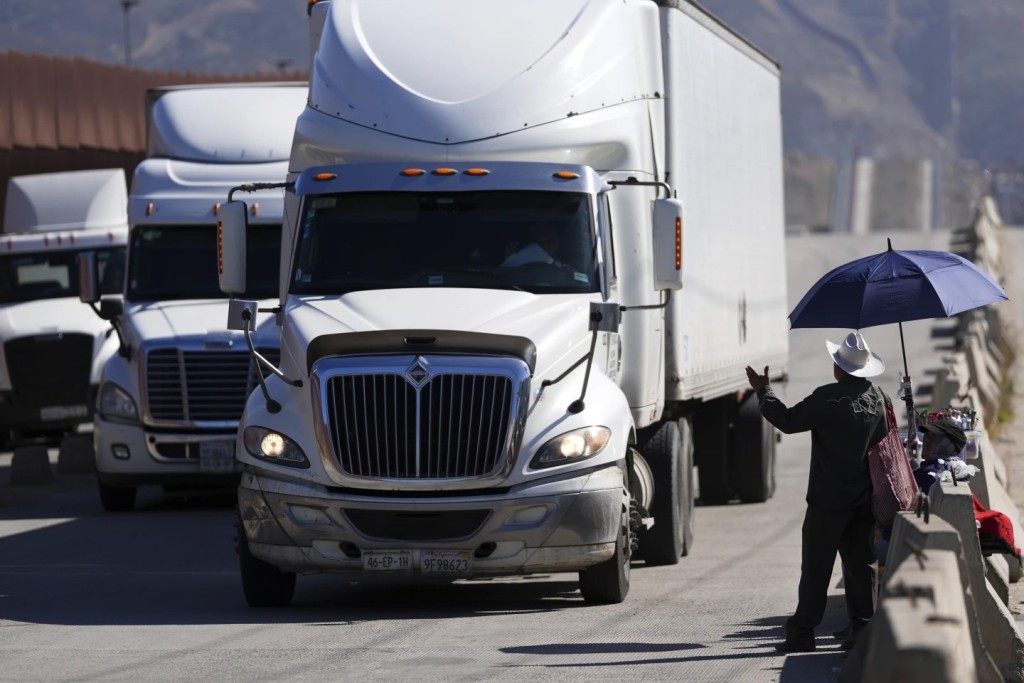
<point>196,386</point>
<point>422,420</point>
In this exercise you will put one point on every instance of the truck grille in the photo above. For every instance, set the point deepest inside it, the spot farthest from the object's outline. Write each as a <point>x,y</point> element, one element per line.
<point>50,369</point>
<point>451,426</point>
<point>200,386</point>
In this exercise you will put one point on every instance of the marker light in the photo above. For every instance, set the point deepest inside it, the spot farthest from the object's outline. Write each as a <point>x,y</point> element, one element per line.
<point>255,210</point>
<point>220,248</point>
<point>324,176</point>
<point>60,240</point>
<point>477,171</point>
<point>46,241</point>
<point>413,172</point>
<point>445,171</point>
<point>567,175</point>
<point>216,209</point>
<point>149,209</point>
<point>72,238</point>
<point>679,243</point>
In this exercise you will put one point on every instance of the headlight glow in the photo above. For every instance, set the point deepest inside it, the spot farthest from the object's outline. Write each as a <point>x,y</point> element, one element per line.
<point>266,444</point>
<point>570,447</point>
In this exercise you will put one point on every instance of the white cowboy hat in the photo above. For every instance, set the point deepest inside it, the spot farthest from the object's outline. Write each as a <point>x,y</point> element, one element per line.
<point>854,356</point>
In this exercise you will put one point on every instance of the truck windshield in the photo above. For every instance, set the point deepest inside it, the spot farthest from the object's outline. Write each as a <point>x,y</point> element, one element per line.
<point>534,241</point>
<point>54,274</point>
<point>180,262</point>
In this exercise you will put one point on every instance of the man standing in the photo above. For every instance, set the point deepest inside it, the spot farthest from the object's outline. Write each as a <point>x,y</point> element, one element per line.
<point>845,418</point>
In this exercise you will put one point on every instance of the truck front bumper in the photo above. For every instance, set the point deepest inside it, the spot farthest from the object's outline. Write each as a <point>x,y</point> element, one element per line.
<point>131,455</point>
<point>558,525</point>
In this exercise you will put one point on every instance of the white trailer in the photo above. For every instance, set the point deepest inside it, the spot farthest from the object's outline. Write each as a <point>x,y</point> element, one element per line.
<point>444,407</point>
<point>169,402</point>
<point>51,346</point>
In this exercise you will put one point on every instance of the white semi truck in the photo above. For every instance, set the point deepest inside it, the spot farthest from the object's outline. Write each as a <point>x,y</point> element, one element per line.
<point>51,346</point>
<point>170,400</point>
<point>529,249</point>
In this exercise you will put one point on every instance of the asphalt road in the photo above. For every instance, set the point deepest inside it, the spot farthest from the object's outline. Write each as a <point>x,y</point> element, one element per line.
<point>154,595</point>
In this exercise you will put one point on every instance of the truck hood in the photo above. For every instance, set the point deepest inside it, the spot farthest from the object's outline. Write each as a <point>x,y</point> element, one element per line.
<point>46,316</point>
<point>170,321</point>
<point>556,324</point>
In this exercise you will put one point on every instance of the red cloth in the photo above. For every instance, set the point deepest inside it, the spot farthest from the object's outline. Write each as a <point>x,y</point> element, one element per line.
<point>995,531</point>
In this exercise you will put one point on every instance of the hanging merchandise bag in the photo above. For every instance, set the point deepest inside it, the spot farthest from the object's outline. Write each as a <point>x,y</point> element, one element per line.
<point>892,482</point>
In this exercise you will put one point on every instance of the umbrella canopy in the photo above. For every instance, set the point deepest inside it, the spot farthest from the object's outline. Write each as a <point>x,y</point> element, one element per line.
<point>894,287</point>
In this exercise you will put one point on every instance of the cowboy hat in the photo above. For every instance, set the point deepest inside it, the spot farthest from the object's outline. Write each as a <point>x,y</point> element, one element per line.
<point>854,357</point>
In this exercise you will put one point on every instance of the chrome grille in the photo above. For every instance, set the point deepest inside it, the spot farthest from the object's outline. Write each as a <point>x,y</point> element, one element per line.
<point>451,426</point>
<point>198,385</point>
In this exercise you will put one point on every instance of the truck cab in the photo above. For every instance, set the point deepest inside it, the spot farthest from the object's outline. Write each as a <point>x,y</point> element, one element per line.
<point>170,399</point>
<point>53,347</point>
<point>531,249</point>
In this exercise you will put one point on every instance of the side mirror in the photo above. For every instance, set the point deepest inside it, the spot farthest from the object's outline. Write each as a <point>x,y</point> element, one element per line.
<point>232,223</point>
<point>111,307</point>
<point>668,244</point>
<point>88,278</point>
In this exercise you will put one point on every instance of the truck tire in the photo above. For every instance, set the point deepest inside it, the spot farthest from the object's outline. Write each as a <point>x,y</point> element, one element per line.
<point>668,450</point>
<point>263,584</point>
<point>117,498</point>
<point>753,454</point>
<point>711,426</point>
<point>608,582</point>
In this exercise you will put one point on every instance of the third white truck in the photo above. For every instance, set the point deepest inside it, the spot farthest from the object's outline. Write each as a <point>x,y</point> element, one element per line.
<point>528,250</point>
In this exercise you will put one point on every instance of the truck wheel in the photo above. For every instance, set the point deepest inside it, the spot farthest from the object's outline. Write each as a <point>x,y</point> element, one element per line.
<point>711,450</point>
<point>608,582</point>
<point>264,584</point>
<point>117,498</point>
<point>664,450</point>
<point>753,454</point>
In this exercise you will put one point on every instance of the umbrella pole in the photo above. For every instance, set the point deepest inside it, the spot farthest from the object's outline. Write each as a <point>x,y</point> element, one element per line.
<point>908,398</point>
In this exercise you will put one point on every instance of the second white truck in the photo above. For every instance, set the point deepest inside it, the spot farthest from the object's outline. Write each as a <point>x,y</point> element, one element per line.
<point>530,248</point>
<point>170,399</point>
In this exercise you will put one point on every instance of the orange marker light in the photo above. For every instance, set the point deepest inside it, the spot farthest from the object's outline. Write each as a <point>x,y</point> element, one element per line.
<point>679,243</point>
<point>413,172</point>
<point>324,176</point>
<point>255,210</point>
<point>73,240</point>
<point>477,171</point>
<point>149,209</point>
<point>445,171</point>
<point>220,247</point>
<point>60,240</point>
<point>567,175</point>
<point>46,240</point>
<point>216,209</point>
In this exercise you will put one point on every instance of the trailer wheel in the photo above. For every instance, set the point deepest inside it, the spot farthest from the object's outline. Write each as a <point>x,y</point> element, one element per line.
<point>263,584</point>
<point>116,498</point>
<point>668,451</point>
<point>753,454</point>
<point>711,450</point>
<point>608,582</point>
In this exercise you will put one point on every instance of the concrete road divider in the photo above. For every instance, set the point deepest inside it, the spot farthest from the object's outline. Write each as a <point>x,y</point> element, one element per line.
<point>921,631</point>
<point>76,455</point>
<point>999,632</point>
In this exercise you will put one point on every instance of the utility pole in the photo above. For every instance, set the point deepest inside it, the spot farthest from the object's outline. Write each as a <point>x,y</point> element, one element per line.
<point>127,5</point>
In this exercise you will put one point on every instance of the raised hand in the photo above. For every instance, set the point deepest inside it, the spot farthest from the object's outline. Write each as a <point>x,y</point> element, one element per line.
<point>757,382</point>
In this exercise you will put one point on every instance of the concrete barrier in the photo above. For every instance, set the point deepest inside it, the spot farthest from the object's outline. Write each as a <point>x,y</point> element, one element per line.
<point>999,632</point>
<point>30,466</point>
<point>921,631</point>
<point>914,536</point>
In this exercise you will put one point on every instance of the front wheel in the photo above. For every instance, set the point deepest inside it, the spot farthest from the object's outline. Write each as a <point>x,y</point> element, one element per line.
<point>608,582</point>
<point>263,584</point>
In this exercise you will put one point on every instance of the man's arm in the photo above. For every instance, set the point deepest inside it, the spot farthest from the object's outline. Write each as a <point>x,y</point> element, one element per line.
<point>800,418</point>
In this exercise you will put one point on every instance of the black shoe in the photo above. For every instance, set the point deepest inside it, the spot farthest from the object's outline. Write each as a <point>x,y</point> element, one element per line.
<point>795,645</point>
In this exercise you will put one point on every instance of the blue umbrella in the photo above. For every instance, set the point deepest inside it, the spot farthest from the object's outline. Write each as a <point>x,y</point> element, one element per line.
<point>896,287</point>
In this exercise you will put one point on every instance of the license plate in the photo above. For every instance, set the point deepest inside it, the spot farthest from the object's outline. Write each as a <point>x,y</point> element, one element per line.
<point>62,412</point>
<point>216,456</point>
<point>387,560</point>
<point>445,561</point>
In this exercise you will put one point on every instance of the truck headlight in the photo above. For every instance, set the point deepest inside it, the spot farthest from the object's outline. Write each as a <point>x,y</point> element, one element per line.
<point>570,447</point>
<point>116,404</point>
<point>266,444</point>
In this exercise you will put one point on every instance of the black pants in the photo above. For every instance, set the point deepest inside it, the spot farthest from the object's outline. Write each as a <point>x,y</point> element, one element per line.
<point>825,533</point>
